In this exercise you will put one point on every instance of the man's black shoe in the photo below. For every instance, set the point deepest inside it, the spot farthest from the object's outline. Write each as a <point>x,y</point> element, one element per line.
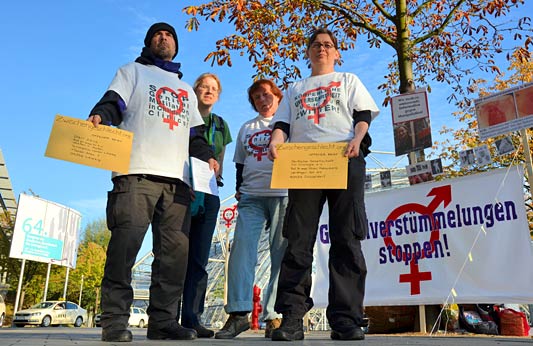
<point>355,333</point>
<point>173,331</point>
<point>235,325</point>
<point>116,335</point>
<point>290,329</point>
<point>203,332</point>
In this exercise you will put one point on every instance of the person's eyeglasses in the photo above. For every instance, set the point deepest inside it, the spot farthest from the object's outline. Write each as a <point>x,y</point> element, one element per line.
<point>205,87</point>
<point>318,45</point>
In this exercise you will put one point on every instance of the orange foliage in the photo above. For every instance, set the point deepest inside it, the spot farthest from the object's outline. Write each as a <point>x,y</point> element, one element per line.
<point>439,35</point>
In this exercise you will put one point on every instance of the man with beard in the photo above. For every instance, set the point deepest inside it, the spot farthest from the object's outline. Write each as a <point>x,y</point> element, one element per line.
<point>148,98</point>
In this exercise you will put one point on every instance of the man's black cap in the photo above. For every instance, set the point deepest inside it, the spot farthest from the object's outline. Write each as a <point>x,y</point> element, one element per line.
<point>161,27</point>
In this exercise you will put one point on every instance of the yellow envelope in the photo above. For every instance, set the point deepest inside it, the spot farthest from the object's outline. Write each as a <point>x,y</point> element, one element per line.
<point>310,166</point>
<point>78,141</point>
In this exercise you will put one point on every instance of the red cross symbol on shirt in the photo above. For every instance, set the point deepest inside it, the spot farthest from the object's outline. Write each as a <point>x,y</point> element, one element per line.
<point>325,99</point>
<point>415,277</point>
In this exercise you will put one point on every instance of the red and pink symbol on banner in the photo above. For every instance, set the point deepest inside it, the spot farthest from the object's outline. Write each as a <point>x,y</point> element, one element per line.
<point>175,97</point>
<point>228,215</point>
<point>442,194</point>
<point>323,94</point>
<point>258,142</point>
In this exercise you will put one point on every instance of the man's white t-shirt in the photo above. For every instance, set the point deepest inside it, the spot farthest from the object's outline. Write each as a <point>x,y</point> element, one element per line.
<point>160,110</point>
<point>320,108</point>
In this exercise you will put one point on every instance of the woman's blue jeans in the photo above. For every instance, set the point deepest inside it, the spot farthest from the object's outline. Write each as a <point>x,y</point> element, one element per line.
<point>256,215</point>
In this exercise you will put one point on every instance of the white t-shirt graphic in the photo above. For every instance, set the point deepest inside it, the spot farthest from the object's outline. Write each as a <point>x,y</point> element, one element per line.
<point>251,150</point>
<point>320,108</point>
<point>160,110</point>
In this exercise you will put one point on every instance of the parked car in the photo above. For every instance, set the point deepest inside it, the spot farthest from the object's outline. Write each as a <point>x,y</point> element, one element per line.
<point>138,318</point>
<point>52,312</point>
<point>2,311</point>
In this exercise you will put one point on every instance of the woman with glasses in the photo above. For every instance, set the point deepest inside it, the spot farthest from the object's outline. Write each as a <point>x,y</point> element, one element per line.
<point>207,88</point>
<point>327,106</point>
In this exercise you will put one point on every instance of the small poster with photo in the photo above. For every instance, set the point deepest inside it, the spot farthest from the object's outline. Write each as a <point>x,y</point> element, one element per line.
<point>410,119</point>
<point>423,166</point>
<point>419,172</point>
<point>504,145</point>
<point>505,111</point>
<point>385,177</point>
<point>436,166</point>
<point>467,158</point>
<point>411,170</point>
<point>411,136</point>
<point>482,154</point>
<point>368,182</point>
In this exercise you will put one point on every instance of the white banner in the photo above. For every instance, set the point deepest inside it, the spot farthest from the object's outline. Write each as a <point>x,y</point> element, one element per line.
<point>45,232</point>
<point>464,240</point>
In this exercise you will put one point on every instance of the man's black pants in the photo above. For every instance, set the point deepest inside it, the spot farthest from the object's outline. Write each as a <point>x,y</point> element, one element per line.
<point>135,202</point>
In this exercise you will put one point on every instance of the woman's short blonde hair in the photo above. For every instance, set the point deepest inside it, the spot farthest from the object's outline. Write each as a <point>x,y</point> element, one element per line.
<point>204,76</point>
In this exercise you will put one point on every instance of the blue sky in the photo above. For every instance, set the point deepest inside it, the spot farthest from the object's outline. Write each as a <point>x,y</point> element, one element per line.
<point>58,57</point>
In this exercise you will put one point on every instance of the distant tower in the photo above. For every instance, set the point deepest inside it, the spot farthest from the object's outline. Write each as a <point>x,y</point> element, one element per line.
<point>8,203</point>
<point>7,197</point>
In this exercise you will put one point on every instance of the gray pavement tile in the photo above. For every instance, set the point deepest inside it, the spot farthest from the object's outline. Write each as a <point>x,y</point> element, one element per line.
<point>65,336</point>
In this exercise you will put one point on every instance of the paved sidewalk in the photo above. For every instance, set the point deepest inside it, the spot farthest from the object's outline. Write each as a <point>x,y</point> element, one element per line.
<point>65,336</point>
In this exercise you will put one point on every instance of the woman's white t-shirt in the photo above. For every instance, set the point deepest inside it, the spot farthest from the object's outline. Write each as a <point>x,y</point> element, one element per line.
<point>320,108</point>
<point>251,150</point>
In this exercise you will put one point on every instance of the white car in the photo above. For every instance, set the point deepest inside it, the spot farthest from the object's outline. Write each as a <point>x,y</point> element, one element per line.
<point>52,312</point>
<point>2,311</point>
<point>138,318</point>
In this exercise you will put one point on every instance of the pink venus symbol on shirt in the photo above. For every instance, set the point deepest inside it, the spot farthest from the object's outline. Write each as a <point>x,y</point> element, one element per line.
<point>166,101</point>
<point>325,99</point>
<point>258,142</point>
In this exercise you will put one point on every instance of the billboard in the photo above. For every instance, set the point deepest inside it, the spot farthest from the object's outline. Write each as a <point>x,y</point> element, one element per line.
<point>45,232</point>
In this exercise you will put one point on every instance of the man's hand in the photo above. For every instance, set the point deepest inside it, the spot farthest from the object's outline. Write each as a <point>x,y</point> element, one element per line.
<point>96,119</point>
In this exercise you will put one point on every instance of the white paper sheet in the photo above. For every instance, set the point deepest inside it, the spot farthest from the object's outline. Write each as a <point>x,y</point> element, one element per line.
<point>203,179</point>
